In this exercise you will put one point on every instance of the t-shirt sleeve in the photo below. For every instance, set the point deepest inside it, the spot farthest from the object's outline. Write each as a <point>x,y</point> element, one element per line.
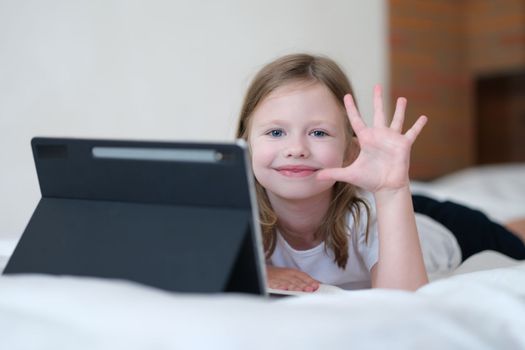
<point>368,248</point>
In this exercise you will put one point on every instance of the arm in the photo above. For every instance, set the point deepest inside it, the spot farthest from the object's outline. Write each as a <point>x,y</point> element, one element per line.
<point>400,264</point>
<point>382,168</point>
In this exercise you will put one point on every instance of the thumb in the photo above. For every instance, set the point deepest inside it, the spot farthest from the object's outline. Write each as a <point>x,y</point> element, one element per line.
<point>337,174</point>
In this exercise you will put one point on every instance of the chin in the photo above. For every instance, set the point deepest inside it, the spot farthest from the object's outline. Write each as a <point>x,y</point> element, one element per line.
<point>299,192</point>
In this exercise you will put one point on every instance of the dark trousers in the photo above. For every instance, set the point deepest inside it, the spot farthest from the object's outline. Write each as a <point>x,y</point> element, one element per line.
<point>474,231</point>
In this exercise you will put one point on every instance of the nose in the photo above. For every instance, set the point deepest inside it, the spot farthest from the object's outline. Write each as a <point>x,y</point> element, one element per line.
<point>297,148</point>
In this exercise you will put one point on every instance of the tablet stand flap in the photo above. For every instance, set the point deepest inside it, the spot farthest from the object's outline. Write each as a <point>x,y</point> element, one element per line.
<point>176,248</point>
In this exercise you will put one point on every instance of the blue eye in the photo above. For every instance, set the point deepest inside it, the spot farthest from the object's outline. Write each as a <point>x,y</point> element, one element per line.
<point>276,133</point>
<point>318,133</point>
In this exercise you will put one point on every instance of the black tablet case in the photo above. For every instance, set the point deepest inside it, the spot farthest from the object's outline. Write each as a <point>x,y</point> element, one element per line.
<point>178,225</point>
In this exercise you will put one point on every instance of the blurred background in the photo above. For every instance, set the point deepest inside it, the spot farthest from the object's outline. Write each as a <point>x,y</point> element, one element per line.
<point>463,64</point>
<point>177,70</point>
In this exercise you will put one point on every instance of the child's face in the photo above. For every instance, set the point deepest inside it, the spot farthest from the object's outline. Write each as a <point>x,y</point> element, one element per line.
<point>295,131</point>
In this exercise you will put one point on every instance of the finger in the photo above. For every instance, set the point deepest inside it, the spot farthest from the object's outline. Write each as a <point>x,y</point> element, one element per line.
<point>300,281</point>
<point>311,288</point>
<point>379,115</point>
<point>337,174</point>
<point>302,278</point>
<point>292,277</point>
<point>399,115</point>
<point>353,114</point>
<point>281,284</point>
<point>304,287</point>
<point>276,285</point>
<point>414,131</point>
<point>294,287</point>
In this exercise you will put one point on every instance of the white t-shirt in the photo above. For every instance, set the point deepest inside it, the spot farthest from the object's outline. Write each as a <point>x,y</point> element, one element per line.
<point>441,252</point>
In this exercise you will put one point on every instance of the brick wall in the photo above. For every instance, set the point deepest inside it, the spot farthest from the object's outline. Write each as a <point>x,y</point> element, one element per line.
<point>437,48</point>
<point>495,35</point>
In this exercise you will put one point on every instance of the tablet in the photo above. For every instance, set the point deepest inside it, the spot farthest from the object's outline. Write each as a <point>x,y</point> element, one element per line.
<point>178,216</point>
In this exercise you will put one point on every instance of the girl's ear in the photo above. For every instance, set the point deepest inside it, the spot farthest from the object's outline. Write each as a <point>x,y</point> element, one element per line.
<point>353,151</point>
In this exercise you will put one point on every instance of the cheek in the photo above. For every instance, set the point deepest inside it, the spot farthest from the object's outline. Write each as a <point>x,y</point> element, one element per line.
<point>332,155</point>
<point>262,155</point>
<point>261,160</point>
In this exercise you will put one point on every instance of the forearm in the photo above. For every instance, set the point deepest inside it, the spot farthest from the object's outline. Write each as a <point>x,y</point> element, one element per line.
<point>400,264</point>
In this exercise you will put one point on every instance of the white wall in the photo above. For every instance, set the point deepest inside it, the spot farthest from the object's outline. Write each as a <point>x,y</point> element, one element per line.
<point>156,69</point>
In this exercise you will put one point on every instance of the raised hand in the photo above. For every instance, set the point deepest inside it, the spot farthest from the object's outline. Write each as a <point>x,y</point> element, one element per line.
<point>384,157</point>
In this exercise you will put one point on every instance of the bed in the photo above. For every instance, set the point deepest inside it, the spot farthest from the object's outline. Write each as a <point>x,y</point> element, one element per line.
<point>480,306</point>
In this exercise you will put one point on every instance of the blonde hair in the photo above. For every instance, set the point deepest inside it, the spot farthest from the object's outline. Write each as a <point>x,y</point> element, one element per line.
<point>298,68</point>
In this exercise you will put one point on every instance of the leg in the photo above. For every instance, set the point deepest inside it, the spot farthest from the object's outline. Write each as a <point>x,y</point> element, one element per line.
<point>473,230</point>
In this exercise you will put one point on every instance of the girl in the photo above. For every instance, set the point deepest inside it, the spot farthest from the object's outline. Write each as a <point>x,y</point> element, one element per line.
<point>331,211</point>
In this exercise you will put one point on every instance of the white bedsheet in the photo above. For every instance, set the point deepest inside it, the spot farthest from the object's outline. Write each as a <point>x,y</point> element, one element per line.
<point>478,310</point>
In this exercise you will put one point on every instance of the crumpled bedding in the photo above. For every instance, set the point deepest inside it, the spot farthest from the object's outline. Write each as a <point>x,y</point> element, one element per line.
<point>471,310</point>
<point>497,190</point>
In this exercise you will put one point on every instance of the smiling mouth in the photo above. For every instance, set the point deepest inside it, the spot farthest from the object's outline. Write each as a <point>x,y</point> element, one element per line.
<point>296,171</point>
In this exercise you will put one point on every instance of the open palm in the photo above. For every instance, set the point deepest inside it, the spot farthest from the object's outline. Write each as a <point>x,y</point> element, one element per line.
<point>384,159</point>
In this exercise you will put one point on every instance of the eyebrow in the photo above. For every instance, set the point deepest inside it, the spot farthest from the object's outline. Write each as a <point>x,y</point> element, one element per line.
<point>282,122</point>
<point>270,123</point>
